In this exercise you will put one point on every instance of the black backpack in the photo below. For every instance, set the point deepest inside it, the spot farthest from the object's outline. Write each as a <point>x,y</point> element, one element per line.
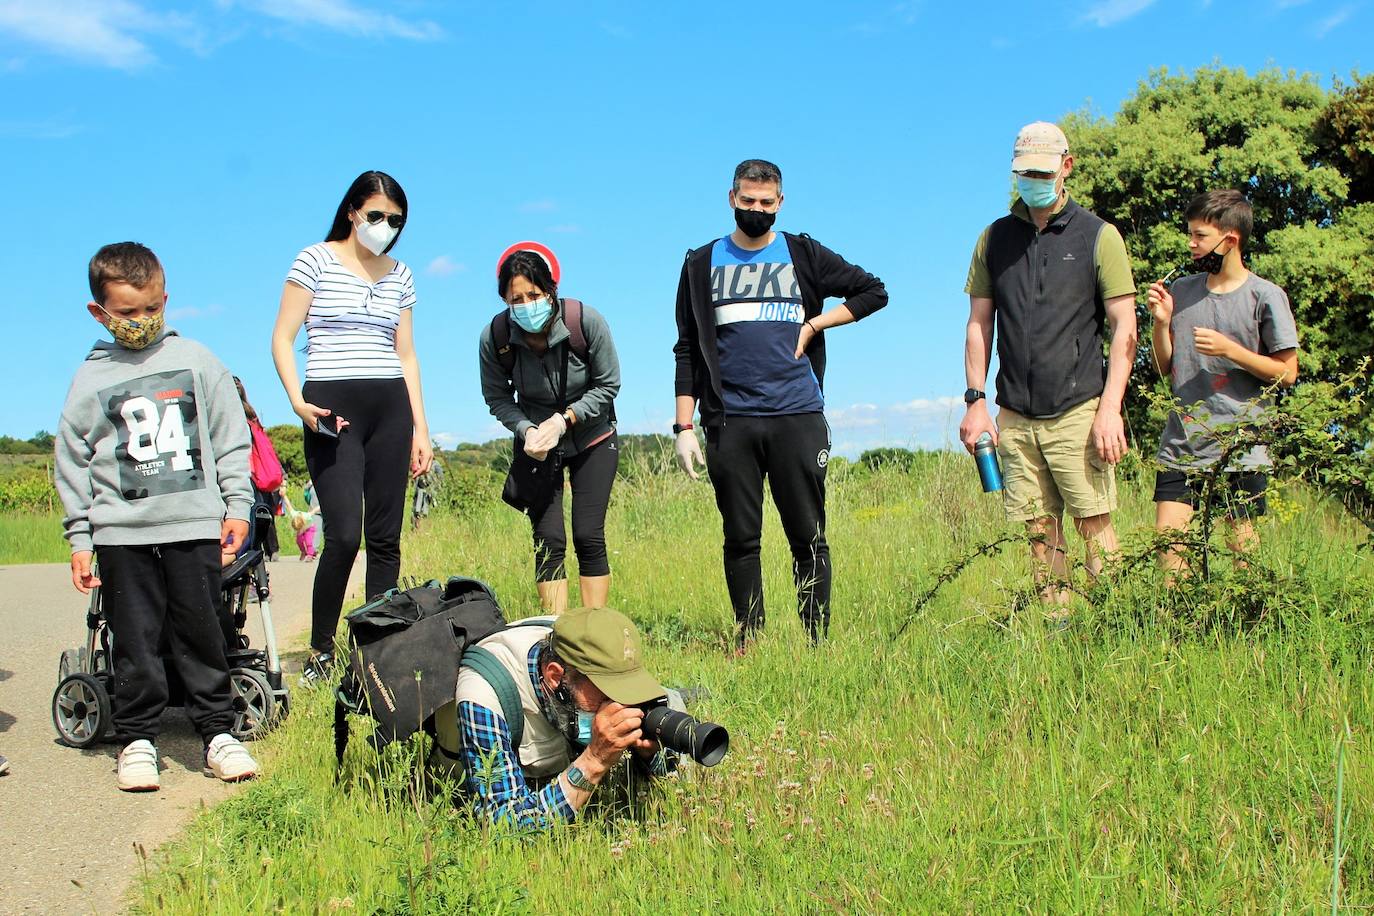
<point>405,649</point>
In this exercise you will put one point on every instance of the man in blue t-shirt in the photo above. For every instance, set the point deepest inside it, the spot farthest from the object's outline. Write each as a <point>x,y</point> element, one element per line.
<point>750,354</point>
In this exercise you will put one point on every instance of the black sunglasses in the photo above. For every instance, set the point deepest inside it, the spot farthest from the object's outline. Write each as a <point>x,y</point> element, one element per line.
<point>394,220</point>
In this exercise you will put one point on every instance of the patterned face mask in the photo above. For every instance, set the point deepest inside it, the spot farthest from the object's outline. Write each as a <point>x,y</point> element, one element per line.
<point>135,333</point>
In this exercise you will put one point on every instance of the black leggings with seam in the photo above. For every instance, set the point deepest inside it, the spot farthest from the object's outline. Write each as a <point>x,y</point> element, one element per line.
<point>360,483</point>
<point>591,473</point>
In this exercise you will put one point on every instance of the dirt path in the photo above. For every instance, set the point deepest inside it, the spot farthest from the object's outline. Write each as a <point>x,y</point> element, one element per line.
<point>67,835</point>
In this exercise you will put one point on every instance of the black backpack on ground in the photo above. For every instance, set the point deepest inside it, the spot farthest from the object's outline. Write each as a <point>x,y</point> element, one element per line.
<point>405,649</point>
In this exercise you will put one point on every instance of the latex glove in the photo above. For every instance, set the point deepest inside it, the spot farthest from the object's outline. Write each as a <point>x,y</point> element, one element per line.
<point>542,438</point>
<point>689,452</point>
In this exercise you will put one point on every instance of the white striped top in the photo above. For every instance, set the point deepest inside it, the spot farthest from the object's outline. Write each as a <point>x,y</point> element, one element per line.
<point>350,329</point>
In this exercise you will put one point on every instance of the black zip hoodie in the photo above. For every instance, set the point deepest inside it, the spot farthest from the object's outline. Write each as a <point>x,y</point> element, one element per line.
<point>821,274</point>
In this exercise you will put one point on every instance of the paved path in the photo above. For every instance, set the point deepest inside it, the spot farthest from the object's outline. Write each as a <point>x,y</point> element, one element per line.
<point>67,835</point>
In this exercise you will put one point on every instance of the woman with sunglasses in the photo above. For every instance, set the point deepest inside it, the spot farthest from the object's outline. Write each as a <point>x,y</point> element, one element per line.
<point>550,374</point>
<point>361,406</point>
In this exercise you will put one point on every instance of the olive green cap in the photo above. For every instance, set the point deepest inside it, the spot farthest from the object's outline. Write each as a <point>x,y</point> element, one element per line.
<point>603,644</point>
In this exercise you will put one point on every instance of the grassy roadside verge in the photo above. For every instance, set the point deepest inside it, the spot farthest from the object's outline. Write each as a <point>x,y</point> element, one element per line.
<point>979,763</point>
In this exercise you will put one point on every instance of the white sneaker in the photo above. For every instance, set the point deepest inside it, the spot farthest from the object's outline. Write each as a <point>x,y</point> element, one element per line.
<point>229,760</point>
<point>138,767</point>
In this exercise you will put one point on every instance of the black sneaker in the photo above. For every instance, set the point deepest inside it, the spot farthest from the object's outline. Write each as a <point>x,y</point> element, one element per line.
<point>317,668</point>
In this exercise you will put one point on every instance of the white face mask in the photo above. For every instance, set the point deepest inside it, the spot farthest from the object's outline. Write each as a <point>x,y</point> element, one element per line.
<point>375,236</point>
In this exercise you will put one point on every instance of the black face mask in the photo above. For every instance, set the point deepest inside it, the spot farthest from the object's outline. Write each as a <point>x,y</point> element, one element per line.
<point>754,223</point>
<point>1211,261</point>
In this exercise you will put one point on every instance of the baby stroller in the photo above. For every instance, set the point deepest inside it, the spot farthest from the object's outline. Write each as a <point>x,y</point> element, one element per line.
<point>81,703</point>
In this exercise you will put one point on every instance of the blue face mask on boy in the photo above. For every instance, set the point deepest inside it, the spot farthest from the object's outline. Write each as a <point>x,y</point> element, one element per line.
<point>532,316</point>
<point>1038,193</point>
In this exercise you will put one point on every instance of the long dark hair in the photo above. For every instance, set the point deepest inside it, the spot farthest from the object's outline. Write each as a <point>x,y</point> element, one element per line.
<point>532,267</point>
<point>363,187</point>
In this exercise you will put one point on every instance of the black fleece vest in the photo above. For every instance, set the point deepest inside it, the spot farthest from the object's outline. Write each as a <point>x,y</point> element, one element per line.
<point>1050,312</point>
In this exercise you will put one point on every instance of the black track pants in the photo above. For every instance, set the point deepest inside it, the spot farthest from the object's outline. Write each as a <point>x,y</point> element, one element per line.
<point>360,482</point>
<point>165,595</point>
<point>591,474</point>
<point>792,452</point>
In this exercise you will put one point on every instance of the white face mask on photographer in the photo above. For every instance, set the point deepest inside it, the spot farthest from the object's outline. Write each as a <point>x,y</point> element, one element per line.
<point>375,236</point>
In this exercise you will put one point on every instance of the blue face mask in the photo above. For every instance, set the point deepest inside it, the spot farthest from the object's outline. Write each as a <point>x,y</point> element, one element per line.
<point>1038,193</point>
<point>584,727</point>
<point>532,316</point>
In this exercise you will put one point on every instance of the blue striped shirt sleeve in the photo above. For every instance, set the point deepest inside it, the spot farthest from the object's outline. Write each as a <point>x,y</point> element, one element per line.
<point>493,777</point>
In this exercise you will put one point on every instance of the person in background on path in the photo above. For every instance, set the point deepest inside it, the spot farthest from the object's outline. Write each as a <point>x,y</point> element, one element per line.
<point>152,470</point>
<point>267,478</point>
<point>303,523</point>
<point>1048,277</point>
<point>1221,336</point>
<point>554,396</point>
<point>751,354</point>
<point>361,405</point>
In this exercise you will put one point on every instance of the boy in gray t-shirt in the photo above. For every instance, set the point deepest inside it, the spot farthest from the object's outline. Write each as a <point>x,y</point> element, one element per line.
<point>1222,337</point>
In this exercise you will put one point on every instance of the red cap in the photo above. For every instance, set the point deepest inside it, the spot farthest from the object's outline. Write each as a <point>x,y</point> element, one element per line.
<point>542,250</point>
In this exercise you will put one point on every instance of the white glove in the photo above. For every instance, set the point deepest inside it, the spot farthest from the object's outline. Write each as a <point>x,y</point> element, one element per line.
<point>688,451</point>
<point>545,436</point>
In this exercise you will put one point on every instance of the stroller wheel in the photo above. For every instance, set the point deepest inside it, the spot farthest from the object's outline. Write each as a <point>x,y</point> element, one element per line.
<point>254,705</point>
<point>72,662</point>
<point>80,710</point>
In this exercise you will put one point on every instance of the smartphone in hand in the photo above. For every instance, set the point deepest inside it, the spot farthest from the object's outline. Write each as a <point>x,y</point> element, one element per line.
<point>327,426</point>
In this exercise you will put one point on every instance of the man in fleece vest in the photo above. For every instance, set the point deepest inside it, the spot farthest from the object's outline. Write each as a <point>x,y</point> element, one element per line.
<point>1048,277</point>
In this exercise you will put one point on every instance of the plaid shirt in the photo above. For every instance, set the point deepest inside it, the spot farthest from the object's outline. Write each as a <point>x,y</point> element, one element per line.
<point>492,774</point>
<point>495,781</point>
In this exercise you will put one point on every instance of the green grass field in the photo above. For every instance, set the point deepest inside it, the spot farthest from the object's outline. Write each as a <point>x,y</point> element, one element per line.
<point>980,762</point>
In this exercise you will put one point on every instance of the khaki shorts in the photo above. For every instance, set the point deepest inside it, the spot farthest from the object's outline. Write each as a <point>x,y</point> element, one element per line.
<point>1051,466</point>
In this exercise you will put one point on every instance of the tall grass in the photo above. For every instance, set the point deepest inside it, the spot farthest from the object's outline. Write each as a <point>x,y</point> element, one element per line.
<point>982,762</point>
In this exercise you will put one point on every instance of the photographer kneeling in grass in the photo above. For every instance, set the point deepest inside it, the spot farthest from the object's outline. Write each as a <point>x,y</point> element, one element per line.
<point>581,685</point>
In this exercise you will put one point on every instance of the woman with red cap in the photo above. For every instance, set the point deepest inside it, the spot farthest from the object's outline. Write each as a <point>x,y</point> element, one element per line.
<point>550,375</point>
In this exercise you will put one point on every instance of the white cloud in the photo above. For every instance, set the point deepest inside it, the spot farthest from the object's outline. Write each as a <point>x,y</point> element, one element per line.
<point>444,266</point>
<point>538,206</point>
<point>446,440</point>
<point>103,32</point>
<point>616,30</point>
<point>344,16</point>
<point>1328,24</point>
<point>193,312</point>
<point>918,423</point>
<point>45,129</point>
<point>1110,12</point>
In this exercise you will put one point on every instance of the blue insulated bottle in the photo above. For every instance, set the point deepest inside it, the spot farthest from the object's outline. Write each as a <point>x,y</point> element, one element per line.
<point>985,456</point>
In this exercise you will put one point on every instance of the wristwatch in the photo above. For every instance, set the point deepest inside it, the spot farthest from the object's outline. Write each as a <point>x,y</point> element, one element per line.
<point>973,394</point>
<point>578,780</point>
<point>679,427</point>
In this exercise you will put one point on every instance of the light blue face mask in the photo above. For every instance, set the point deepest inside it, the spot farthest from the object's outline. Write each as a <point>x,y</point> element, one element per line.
<point>532,316</point>
<point>1038,193</point>
<point>584,727</point>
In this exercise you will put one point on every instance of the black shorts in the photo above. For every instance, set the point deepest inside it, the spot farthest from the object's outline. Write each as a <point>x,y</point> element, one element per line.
<point>1240,494</point>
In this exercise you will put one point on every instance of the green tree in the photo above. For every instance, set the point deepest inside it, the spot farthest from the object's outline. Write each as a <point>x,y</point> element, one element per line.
<point>288,442</point>
<point>42,440</point>
<point>1282,139</point>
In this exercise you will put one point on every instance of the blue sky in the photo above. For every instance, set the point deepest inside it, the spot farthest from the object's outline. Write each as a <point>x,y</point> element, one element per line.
<point>223,134</point>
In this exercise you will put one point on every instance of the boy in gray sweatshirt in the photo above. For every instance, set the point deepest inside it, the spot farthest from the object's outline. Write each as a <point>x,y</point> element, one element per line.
<point>152,469</point>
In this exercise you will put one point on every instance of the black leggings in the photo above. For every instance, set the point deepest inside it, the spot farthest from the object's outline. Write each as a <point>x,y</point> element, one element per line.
<point>591,473</point>
<point>165,598</point>
<point>792,451</point>
<point>360,483</point>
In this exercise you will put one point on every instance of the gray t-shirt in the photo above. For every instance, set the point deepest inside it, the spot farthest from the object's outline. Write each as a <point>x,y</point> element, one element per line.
<point>1257,317</point>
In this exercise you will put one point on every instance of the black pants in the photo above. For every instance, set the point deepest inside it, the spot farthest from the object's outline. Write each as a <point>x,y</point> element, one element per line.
<point>360,483</point>
<point>792,451</point>
<point>165,596</point>
<point>591,474</point>
<point>264,532</point>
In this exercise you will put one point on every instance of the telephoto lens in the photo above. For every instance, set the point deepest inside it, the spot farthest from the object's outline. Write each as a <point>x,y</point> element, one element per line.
<point>704,742</point>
